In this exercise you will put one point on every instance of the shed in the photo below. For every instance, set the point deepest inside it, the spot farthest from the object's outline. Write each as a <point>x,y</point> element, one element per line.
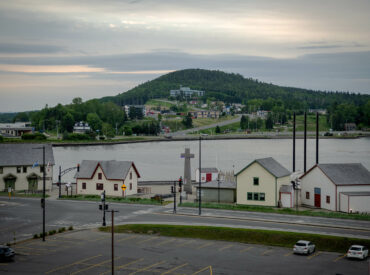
<point>218,191</point>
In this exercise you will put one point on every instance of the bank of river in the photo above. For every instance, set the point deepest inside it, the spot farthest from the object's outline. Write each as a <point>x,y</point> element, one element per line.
<point>161,160</point>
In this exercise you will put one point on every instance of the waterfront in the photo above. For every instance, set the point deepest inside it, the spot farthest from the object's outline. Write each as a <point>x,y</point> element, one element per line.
<point>161,160</point>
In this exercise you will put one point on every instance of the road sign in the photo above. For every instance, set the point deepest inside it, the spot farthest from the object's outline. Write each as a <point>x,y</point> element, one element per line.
<point>123,187</point>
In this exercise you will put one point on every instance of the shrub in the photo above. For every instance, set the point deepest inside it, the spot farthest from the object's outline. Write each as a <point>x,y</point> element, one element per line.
<point>76,136</point>
<point>1,138</point>
<point>35,136</point>
<point>35,236</point>
<point>70,228</point>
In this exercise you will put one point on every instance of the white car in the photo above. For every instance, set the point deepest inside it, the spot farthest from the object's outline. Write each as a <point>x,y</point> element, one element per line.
<point>358,252</point>
<point>304,247</point>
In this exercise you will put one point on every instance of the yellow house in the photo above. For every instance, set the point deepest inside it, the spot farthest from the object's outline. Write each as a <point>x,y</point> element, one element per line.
<point>260,181</point>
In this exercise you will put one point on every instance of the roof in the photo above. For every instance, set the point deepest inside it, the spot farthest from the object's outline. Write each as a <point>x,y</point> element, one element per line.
<point>271,165</point>
<point>209,170</point>
<point>214,184</point>
<point>344,173</point>
<point>25,154</point>
<point>112,169</point>
<point>356,193</point>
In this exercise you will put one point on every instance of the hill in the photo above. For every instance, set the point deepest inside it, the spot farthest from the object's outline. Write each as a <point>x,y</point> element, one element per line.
<point>234,88</point>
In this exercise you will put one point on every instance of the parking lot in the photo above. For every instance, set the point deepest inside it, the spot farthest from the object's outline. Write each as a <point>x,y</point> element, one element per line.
<point>89,252</point>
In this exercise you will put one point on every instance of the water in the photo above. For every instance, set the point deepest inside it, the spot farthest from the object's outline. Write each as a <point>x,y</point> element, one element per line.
<point>161,160</point>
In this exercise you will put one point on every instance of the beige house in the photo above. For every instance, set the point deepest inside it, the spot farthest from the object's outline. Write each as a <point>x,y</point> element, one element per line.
<point>261,183</point>
<point>96,176</point>
<point>21,167</point>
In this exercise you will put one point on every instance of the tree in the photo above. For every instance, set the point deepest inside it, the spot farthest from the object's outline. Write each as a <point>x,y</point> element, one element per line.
<point>244,122</point>
<point>127,130</point>
<point>68,122</point>
<point>188,121</point>
<point>218,130</point>
<point>94,121</point>
<point>269,122</point>
<point>108,130</point>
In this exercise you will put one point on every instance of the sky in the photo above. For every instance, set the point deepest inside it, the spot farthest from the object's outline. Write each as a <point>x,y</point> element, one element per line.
<point>54,51</point>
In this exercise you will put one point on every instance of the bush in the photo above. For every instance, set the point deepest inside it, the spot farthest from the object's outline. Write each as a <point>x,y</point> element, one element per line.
<point>35,236</point>
<point>35,136</point>
<point>75,136</point>
<point>62,229</point>
<point>70,228</point>
<point>1,138</point>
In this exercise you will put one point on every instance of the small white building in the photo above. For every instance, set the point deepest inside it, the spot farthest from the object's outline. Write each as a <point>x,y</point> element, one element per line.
<point>96,176</point>
<point>261,181</point>
<point>15,129</point>
<point>21,167</point>
<point>208,174</point>
<point>81,127</point>
<point>338,187</point>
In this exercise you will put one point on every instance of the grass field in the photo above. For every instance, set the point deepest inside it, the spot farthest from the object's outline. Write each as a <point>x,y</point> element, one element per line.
<point>112,199</point>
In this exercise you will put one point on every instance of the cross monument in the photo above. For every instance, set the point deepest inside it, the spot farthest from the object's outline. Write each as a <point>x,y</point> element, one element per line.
<point>187,171</point>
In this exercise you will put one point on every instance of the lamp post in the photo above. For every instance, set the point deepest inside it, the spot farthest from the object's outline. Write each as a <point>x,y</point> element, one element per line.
<point>218,183</point>
<point>43,202</point>
<point>200,175</point>
<point>103,201</point>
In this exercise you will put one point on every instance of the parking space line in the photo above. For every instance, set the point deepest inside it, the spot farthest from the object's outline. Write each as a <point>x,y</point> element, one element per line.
<point>123,266</point>
<point>246,249</point>
<point>95,265</point>
<point>207,267</point>
<point>340,257</point>
<point>204,245</point>
<point>147,268</point>
<point>147,240</point>
<point>68,265</point>
<point>165,242</point>
<point>173,269</point>
<point>267,251</point>
<point>226,247</point>
<point>125,239</point>
<point>288,254</point>
<point>185,243</point>
<point>314,255</point>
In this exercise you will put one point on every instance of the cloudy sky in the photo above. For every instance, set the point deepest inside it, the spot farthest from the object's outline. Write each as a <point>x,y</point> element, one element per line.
<point>53,51</point>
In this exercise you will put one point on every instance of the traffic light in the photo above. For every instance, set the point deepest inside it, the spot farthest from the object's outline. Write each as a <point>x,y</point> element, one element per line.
<point>293,183</point>
<point>102,196</point>
<point>180,189</point>
<point>42,203</point>
<point>100,207</point>
<point>180,182</point>
<point>172,189</point>
<point>106,207</point>
<point>78,167</point>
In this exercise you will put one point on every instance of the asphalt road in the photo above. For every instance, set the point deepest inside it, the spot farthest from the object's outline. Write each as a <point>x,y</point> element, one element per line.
<point>22,218</point>
<point>89,252</point>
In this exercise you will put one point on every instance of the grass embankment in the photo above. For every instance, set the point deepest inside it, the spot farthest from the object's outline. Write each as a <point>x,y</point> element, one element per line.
<point>289,211</point>
<point>23,195</point>
<point>112,199</point>
<point>254,236</point>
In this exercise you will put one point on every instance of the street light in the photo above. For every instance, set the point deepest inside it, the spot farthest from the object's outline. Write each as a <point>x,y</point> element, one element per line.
<point>43,202</point>
<point>200,175</point>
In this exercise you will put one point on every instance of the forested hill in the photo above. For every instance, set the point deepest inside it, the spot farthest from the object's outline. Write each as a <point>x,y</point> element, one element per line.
<point>233,88</point>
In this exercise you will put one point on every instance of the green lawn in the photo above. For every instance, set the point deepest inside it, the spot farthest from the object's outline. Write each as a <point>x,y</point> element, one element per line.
<point>23,194</point>
<point>311,123</point>
<point>113,199</point>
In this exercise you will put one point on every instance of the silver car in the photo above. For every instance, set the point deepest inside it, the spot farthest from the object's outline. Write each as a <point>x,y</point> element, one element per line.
<point>358,252</point>
<point>304,247</point>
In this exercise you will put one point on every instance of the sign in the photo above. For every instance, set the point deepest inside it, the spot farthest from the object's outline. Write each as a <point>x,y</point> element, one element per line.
<point>123,187</point>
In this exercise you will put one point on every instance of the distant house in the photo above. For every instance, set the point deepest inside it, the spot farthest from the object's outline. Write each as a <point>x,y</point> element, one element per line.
<point>337,186</point>
<point>260,182</point>
<point>205,114</point>
<point>15,129</point>
<point>81,127</point>
<point>96,176</point>
<point>138,108</point>
<point>186,92</point>
<point>207,174</point>
<point>21,167</point>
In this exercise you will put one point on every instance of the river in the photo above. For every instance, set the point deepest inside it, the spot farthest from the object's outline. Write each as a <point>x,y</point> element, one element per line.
<point>162,161</point>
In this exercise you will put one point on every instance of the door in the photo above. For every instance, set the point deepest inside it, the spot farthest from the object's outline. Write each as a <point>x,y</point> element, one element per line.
<point>208,177</point>
<point>32,184</point>
<point>317,197</point>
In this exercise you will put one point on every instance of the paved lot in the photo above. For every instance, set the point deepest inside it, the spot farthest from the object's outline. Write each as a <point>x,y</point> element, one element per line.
<point>89,252</point>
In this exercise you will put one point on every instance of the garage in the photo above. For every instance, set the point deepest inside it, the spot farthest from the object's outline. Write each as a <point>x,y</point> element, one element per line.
<point>286,196</point>
<point>354,202</point>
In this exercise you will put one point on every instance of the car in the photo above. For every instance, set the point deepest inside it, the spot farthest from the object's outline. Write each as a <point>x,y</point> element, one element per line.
<point>358,252</point>
<point>6,253</point>
<point>304,247</point>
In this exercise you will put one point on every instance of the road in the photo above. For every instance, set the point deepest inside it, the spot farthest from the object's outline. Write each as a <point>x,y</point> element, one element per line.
<point>22,218</point>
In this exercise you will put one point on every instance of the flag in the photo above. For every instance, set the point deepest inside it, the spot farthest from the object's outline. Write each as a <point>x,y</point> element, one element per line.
<point>35,164</point>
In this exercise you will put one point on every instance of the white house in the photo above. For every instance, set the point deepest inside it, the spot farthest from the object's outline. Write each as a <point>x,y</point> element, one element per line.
<point>15,129</point>
<point>81,127</point>
<point>96,176</point>
<point>261,181</point>
<point>21,167</point>
<point>208,174</point>
<point>338,187</point>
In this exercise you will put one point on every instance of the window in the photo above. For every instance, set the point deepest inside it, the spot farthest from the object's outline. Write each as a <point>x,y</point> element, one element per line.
<point>18,169</point>
<point>99,186</point>
<point>1,170</point>
<point>99,176</point>
<point>84,185</point>
<point>130,175</point>
<point>255,196</point>
<point>249,196</point>
<point>307,195</point>
<point>130,186</point>
<point>115,187</point>
<point>255,181</point>
<point>327,199</point>
<point>24,169</point>
<point>262,196</point>
<point>41,169</point>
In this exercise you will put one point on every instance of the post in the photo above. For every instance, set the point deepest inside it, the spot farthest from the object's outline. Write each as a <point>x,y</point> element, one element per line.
<point>200,175</point>
<point>293,142</point>
<point>218,182</point>
<point>112,229</point>
<point>60,181</point>
<point>43,194</point>
<point>174,197</point>
<point>180,190</point>
<point>305,143</point>
<point>103,200</point>
<point>317,137</point>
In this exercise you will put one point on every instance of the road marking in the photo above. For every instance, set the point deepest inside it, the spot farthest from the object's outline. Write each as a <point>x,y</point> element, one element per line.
<point>147,268</point>
<point>123,266</point>
<point>166,241</point>
<point>246,249</point>
<point>147,240</point>
<point>204,245</point>
<point>288,254</point>
<point>267,251</point>
<point>68,265</point>
<point>314,255</point>
<point>128,238</point>
<point>173,269</point>
<point>340,257</point>
<point>32,248</point>
<point>95,265</point>
<point>207,267</point>
<point>225,247</point>
<point>185,243</point>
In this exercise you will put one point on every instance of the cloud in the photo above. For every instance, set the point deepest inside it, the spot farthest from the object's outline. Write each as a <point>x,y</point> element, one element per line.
<point>20,48</point>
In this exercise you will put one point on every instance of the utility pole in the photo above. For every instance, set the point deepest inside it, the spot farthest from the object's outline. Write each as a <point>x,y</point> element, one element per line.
<point>43,194</point>
<point>305,143</point>
<point>200,175</point>
<point>112,230</point>
<point>218,182</point>
<point>103,206</point>
<point>174,197</point>
<point>180,189</point>
<point>293,142</point>
<point>317,137</point>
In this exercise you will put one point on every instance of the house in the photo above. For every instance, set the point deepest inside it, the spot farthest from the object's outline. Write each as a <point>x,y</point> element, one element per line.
<point>15,129</point>
<point>260,182</point>
<point>207,174</point>
<point>205,114</point>
<point>337,187</point>
<point>186,92</point>
<point>21,167</point>
<point>81,127</point>
<point>96,176</point>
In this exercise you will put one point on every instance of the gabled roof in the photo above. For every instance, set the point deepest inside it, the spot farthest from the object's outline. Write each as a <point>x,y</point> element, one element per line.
<point>271,165</point>
<point>344,173</point>
<point>112,169</point>
<point>25,154</point>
